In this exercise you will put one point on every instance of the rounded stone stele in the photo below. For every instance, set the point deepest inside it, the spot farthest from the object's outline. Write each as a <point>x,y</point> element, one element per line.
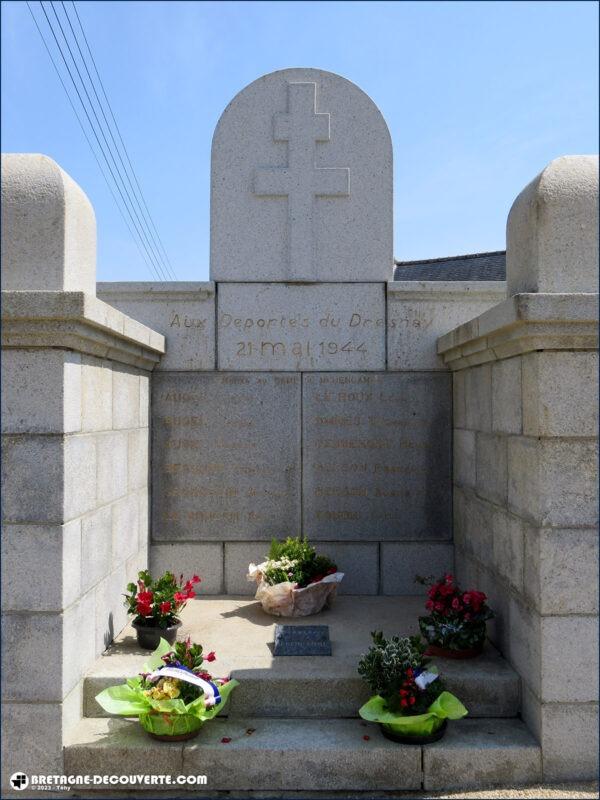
<point>301,183</point>
<point>48,228</point>
<point>552,230</point>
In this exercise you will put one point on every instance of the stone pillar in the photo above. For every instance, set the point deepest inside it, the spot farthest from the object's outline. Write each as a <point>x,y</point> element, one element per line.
<point>525,460</point>
<point>75,389</point>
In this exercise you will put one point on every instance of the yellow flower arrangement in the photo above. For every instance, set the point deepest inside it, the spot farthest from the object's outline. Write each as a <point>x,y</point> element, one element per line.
<point>165,689</point>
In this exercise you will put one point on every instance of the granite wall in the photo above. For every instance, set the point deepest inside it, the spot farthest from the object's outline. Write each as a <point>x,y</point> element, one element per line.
<point>525,381</point>
<point>320,409</point>
<point>75,466</point>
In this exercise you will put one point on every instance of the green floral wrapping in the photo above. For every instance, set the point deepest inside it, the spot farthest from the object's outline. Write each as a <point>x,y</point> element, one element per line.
<point>170,724</point>
<point>445,706</point>
<point>162,717</point>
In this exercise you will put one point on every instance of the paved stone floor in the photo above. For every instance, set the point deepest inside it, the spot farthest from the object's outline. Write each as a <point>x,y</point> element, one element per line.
<point>559,791</point>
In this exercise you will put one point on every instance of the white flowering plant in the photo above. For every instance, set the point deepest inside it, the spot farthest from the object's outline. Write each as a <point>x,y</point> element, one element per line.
<point>296,561</point>
<point>295,580</point>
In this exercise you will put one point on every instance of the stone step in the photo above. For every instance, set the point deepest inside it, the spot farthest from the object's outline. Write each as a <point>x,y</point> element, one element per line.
<point>488,686</point>
<point>309,755</point>
<point>294,686</point>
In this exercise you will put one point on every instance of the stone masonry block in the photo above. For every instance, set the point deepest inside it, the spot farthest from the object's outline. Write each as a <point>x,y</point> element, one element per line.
<point>50,552</point>
<point>32,479</point>
<point>459,407</point>
<point>125,397</point>
<point>48,228</point>
<point>358,561</point>
<point>464,472</point>
<point>137,459</point>
<point>125,528</point>
<point>376,451</point>
<point>109,613</point>
<point>477,523</point>
<point>136,563</point>
<point>143,517</point>
<point>466,569</point>
<point>26,676</point>
<point>144,400</point>
<point>112,466</point>
<point>238,555</point>
<point>508,547</point>
<point>478,398</point>
<point>402,561</point>
<point>560,394</point>
<point>96,543</point>
<point>491,461</point>
<point>569,739</point>
<point>419,312</point>
<point>561,570</point>
<point>274,326</point>
<point>575,638</point>
<point>226,456</point>
<point>41,391</point>
<point>524,644</point>
<point>96,390</point>
<point>507,411</point>
<point>187,559</point>
<point>183,312</point>
<point>78,639</point>
<point>551,233</point>
<point>499,628</point>
<point>79,475</point>
<point>36,729</point>
<point>552,482</point>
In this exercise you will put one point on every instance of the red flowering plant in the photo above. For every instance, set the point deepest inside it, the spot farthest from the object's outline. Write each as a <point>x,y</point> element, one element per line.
<point>410,701</point>
<point>156,603</point>
<point>174,694</point>
<point>456,619</point>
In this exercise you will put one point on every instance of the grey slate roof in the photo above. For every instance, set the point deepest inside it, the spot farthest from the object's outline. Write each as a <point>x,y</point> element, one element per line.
<point>471,267</point>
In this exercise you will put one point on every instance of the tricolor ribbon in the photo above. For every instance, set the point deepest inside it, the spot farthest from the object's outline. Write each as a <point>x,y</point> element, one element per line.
<point>210,689</point>
<point>423,678</point>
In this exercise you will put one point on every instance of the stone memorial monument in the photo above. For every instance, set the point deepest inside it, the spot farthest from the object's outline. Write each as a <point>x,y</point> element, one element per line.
<point>407,426</point>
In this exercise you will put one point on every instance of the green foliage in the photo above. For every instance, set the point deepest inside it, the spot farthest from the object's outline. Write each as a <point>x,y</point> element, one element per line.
<point>453,634</point>
<point>296,560</point>
<point>156,602</point>
<point>387,667</point>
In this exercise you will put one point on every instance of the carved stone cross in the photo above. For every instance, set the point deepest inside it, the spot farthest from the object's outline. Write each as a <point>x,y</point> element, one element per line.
<point>301,181</point>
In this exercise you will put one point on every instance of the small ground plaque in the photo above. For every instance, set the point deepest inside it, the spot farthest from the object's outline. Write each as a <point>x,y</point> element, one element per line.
<point>302,640</point>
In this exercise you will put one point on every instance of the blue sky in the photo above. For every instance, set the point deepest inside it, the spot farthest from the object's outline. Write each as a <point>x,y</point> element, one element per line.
<point>478,98</point>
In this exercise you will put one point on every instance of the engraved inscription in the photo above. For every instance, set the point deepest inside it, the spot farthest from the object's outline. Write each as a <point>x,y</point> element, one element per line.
<point>337,328</point>
<point>226,456</point>
<point>376,456</point>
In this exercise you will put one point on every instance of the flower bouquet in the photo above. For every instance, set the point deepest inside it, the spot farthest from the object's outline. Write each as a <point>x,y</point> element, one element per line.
<point>173,696</point>
<point>156,604</point>
<point>410,701</point>
<point>455,627</point>
<point>294,581</point>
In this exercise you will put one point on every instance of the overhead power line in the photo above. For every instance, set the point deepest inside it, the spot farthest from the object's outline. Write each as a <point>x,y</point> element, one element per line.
<point>87,138</point>
<point>132,198</point>
<point>135,178</point>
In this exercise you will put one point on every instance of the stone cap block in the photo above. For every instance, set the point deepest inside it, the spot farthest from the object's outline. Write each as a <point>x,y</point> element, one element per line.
<point>522,324</point>
<point>80,322</point>
<point>494,291</point>
<point>552,230</point>
<point>301,183</point>
<point>148,290</point>
<point>48,228</point>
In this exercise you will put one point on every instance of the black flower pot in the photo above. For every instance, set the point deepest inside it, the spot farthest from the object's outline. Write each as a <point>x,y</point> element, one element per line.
<point>149,635</point>
<point>401,739</point>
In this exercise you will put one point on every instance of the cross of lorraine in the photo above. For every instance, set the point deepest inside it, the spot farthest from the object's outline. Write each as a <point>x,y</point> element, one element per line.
<point>301,181</point>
